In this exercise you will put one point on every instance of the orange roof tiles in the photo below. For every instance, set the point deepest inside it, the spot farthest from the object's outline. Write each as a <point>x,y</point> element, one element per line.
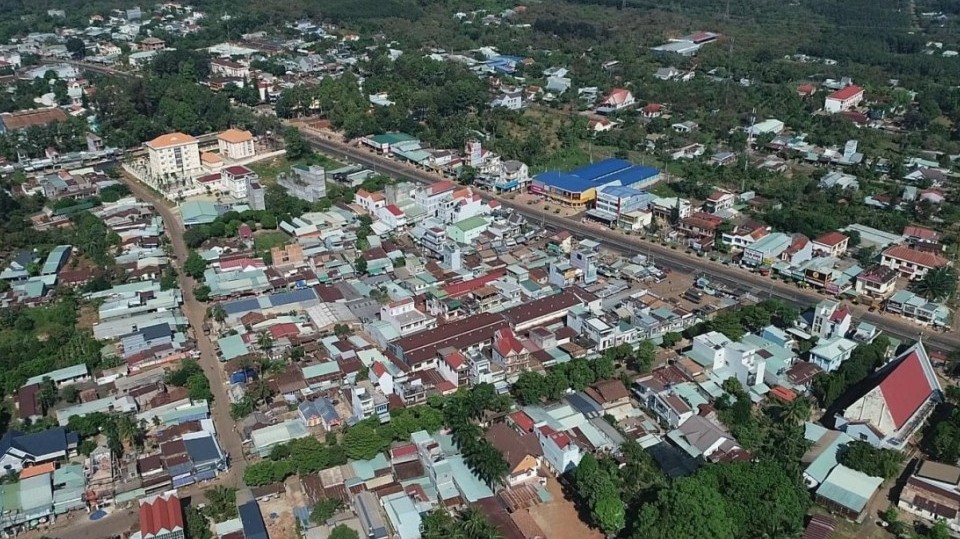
<point>33,471</point>
<point>171,139</point>
<point>235,136</point>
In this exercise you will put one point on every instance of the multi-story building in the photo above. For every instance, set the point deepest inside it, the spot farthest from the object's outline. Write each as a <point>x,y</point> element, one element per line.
<point>174,155</point>
<point>236,179</point>
<point>719,201</point>
<point>911,263</point>
<point>235,144</point>
<point>305,182</point>
<point>432,198</point>
<point>368,401</point>
<point>877,282</point>
<point>832,243</point>
<point>509,352</point>
<point>844,99</point>
<point>830,353</point>
<point>404,317</point>
<point>256,195</point>
<point>830,319</point>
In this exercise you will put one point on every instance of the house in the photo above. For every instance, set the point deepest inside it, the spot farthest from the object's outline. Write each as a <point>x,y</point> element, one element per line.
<point>932,492</point>
<point>369,201</point>
<point>910,305</point>
<point>161,517</point>
<point>612,396</point>
<point>839,180</point>
<point>876,282</point>
<point>896,402</point>
<point>667,73</point>
<point>236,144</point>
<point>512,100</point>
<point>652,110</point>
<point>831,244</point>
<point>236,179</point>
<point>618,99</point>
<point>719,201</point>
<point>19,450</point>
<point>521,451</point>
<point>806,90</point>
<point>509,352</point>
<point>685,127</point>
<point>918,235</point>
<point>251,518</point>
<point>767,249</point>
<point>703,439</point>
<point>844,99</point>
<point>560,452</point>
<point>848,492</point>
<point>830,353</point>
<point>657,391</point>
<point>911,263</point>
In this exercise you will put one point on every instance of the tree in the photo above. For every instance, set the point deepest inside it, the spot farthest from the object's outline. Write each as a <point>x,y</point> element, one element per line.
<point>644,357</point>
<point>324,510</point>
<point>670,339</point>
<point>939,284</point>
<point>362,442</point>
<point>48,394</point>
<point>218,313</point>
<point>195,265</point>
<point>265,341</point>
<point>670,516</point>
<point>197,525</point>
<point>863,457</point>
<point>797,411</point>
<point>76,48</point>
<point>342,330</point>
<point>202,292</point>
<point>529,387</point>
<point>341,531</point>
<point>360,264</point>
<point>221,503</point>
<point>268,221</point>
<point>297,146</point>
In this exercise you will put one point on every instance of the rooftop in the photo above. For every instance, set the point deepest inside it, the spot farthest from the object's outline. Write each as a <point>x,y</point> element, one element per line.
<point>171,139</point>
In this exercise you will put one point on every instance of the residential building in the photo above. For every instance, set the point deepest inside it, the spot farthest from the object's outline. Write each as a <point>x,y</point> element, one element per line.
<point>844,99</point>
<point>512,100</point>
<point>405,318</point>
<point>434,197</point>
<point>392,216</point>
<point>369,401</point>
<point>703,439</point>
<point>369,201</point>
<point>917,308</point>
<point>161,517</point>
<point>831,244</point>
<point>236,179</point>
<point>229,68</point>
<point>932,492</point>
<point>509,352</point>
<point>830,319</point>
<point>839,180</point>
<point>911,263</point>
<point>19,450</point>
<point>730,359</point>
<point>62,377</point>
<point>174,155</point>
<point>560,452</point>
<point>511,175</point>
<point>657,391</point>
<point>897,402</point>
<point>745,234</point>
<point>877,282</point>
<point>618,99</point>
<point>831,352</point>
<point>719,201</point>
<point>466,231</point>
<point>20,120</point>
<point>235,144</point>
<point>522,452</point>
<point>287,256</point>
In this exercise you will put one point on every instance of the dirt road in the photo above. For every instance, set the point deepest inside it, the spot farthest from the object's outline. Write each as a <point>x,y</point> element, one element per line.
<point>195,311</point>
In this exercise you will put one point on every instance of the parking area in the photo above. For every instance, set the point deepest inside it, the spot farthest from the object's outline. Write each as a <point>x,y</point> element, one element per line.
<point>559,517</point>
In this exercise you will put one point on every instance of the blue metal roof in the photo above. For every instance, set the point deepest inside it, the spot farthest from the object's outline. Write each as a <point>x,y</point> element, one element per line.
<point>202,449</point>
<point>241,306</point>
<point>597,175</point>
<point>294,296</point>
<point>564,181</point>
<point>623,192</point>
<point>595,171</point>
<point>253,525</point>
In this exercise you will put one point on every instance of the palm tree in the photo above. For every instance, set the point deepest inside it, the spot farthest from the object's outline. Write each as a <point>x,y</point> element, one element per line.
<point>474,525</point>
<point>796,411</point>
<point>938,284</point>
<point>265,341</point>
<point>218,313</point>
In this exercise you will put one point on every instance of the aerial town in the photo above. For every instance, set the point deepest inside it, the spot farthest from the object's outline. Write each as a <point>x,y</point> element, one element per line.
<point>418,270</point>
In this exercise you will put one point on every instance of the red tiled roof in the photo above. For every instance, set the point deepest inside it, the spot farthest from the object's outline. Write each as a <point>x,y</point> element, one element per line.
<point>906,387</point>
<point>522,420</point>
<point>783,393</point>
<point>403,450</point>
<point>455,360</point>
<point>506,342</point>
<point>378,369</point>
<point>442,187</point>
<point>238,170</point>
<point>278,331</point>
<point>845,93</point>
<point>831,239</point>
<point>465,287</point>
<point>924,259</point>
<point>160,514</point>
<point>920,232</point>
<point>392,208</point>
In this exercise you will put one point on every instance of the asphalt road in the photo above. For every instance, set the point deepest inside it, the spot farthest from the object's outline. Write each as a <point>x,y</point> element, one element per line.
<point>664,256</point>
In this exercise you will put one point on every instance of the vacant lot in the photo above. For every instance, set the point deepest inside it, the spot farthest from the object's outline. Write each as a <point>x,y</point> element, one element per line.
<point>559,518</point>
<point>266,240</point>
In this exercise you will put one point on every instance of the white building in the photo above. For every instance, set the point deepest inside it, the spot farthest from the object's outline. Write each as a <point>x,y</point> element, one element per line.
<point>737,360</point>
<point>404,317</point>
<point>236,178</point>
<point>911,263</point>
<point>235,144</point>
<point>392,216</point>
<point>843,100</point>
<point>174,155</point>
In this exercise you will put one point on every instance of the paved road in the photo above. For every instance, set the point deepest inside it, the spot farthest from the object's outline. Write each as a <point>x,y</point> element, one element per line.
<point>665,256</point>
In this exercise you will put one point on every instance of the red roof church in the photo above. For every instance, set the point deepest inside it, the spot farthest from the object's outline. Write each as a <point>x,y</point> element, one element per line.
<point>892,409</point>
<point>161,517</point>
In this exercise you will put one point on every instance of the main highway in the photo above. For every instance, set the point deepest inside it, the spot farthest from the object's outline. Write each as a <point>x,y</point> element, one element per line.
<point>331,144</point>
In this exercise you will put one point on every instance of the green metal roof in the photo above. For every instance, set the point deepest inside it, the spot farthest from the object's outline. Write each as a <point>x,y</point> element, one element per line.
<point>392,138</point>
<point>849,488</point>
<point>233,347</point>
<point>471,223</point>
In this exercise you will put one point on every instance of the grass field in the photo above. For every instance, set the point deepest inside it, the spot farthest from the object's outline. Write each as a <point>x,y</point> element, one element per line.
<point>269,169</point>
<point>264,241</point>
